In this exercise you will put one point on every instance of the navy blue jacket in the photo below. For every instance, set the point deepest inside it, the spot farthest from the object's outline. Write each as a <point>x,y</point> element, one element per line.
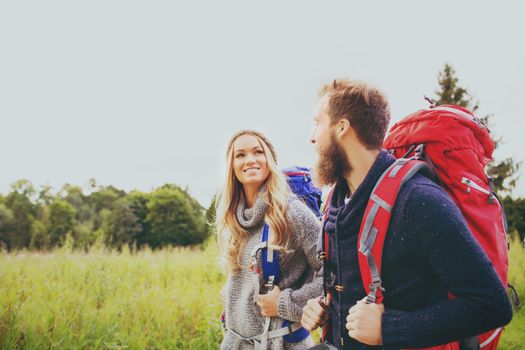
<point>429,251</point>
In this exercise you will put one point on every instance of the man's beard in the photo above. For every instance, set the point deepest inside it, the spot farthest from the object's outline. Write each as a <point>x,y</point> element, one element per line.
<point>332,164</point>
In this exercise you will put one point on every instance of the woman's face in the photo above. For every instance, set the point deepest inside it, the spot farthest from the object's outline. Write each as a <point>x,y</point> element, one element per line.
<point>250,165</point>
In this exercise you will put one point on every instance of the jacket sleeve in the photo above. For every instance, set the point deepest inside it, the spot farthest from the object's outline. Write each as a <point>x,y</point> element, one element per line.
<point>307,226</point>
<point>439,235</point>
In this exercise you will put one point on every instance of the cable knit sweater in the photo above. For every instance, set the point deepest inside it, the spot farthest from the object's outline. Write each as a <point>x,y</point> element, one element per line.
<point>298,281</point>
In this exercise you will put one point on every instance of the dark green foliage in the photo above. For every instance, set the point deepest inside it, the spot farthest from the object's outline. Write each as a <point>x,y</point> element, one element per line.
<point>127,220</point>
<point>22,214</point>
<point>6,225</point>
<point>61,221</point>
<point>174,217</point>
<point>515,210</point>
<point>210,216</point>
<point>43,220</point>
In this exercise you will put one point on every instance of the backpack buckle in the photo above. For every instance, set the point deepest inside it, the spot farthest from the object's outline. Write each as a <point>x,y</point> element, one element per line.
<point>270,283</point>
<point>372,295</point>
<point>419,152</point>
<point>253,265</point>
<point>321,255</point>
<point>375,285</point>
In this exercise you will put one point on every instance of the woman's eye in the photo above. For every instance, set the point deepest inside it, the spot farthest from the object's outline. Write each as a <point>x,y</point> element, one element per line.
<point>239,155</point>
<point>259,152</point>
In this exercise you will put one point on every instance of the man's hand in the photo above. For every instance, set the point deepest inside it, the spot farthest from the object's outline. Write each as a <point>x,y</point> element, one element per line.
<point>315,313</point>
<point>269,302</point>
<point>364,322</point>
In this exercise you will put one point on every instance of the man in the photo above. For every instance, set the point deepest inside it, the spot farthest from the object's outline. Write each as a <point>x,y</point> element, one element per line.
<point>428,252</point>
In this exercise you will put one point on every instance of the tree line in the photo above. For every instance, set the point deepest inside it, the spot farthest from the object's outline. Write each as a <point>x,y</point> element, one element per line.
<point>107,216</point>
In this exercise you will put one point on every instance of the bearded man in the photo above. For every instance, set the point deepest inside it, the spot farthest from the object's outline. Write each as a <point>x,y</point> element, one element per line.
<point>428,252</point>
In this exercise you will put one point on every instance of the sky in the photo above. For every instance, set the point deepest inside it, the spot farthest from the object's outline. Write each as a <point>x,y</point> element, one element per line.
<point>137,94</point>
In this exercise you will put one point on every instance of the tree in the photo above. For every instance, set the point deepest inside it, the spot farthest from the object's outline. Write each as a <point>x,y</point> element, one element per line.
<point>515,211</point>
<point>210,216</point>
<point>503,172</point>
<point>23,211</point>
<point>105,197</point>
<point>6,225</point>
<point>39,235</point>
<point>127,220</point>
<point>61,220</point>
<point>174,217</point>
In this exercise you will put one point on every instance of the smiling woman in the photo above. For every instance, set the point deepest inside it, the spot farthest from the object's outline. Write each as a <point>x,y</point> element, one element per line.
<point>250,165</point>
<point>259,219</point>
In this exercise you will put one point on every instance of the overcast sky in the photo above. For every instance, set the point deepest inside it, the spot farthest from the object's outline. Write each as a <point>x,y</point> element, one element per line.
<point>138,94</point>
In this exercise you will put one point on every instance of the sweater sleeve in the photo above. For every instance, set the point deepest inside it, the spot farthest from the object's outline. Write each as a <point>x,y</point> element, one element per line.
<point>438,233</point>
<point>308,227</point>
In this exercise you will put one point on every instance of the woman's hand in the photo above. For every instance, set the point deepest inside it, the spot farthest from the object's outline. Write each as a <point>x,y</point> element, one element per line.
<point>269,302</point>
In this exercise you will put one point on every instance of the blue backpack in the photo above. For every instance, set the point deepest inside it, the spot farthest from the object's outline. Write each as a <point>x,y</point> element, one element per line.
<point>300,181</point>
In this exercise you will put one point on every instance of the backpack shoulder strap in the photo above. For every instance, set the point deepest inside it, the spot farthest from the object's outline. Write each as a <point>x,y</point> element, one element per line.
<point>322,253</point>
<point>270,260</point>
<point>323,241</point>
<point>376,221</point>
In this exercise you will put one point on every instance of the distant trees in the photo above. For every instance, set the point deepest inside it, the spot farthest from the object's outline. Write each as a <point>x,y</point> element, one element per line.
<point>169,215</point>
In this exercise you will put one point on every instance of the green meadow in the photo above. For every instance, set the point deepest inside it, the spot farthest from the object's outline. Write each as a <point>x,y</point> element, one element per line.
<point>164,299</point>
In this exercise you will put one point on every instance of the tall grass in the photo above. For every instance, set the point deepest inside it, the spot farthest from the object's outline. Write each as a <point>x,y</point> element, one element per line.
<point>145,300</point>
<point>161,300</point>
<point>514,335</point>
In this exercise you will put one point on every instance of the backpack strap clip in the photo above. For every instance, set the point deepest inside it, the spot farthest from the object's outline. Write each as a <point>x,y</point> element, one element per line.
<point>373,287</point>
<point>270,283</point>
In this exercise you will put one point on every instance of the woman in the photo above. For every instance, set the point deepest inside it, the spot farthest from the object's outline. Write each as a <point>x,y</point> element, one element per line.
<point>256,195</point>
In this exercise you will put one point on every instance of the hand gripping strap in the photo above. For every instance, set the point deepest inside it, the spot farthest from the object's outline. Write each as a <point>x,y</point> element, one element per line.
<point>376,221</point>
<point>271,273</point>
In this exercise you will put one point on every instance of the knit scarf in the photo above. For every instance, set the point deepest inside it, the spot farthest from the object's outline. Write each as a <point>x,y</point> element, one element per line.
<point>254,216</point>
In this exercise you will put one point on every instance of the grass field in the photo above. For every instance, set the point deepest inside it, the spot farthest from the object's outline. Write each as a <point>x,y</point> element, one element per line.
<point>146,300</point>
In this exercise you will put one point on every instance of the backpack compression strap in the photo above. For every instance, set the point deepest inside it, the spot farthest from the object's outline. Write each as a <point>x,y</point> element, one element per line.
<point>376,221</point>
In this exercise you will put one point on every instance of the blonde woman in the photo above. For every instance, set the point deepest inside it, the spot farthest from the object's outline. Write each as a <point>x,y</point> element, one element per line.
<point>256,195</point>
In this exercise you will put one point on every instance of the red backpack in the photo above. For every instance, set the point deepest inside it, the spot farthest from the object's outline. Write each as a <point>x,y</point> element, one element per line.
<point>456,146</point>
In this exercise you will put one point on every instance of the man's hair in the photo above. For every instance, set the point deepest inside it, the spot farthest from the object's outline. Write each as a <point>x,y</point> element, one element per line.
<point>363,105</point>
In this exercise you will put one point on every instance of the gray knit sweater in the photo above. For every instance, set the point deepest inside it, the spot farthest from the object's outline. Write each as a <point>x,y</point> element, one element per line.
<point>298,281</point>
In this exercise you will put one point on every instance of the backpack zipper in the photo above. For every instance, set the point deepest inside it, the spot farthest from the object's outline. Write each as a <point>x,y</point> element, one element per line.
<point>464,115</point>
<point>471,184</point>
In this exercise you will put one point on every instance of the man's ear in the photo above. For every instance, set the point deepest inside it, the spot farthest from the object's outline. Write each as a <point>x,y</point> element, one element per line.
<point>342,127</point>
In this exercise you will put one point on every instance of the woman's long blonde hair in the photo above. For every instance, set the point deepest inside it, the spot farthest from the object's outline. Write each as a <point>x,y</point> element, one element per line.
<point>231,235</point>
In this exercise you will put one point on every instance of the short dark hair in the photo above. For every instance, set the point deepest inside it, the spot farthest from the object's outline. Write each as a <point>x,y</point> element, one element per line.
<point>363,105</point>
